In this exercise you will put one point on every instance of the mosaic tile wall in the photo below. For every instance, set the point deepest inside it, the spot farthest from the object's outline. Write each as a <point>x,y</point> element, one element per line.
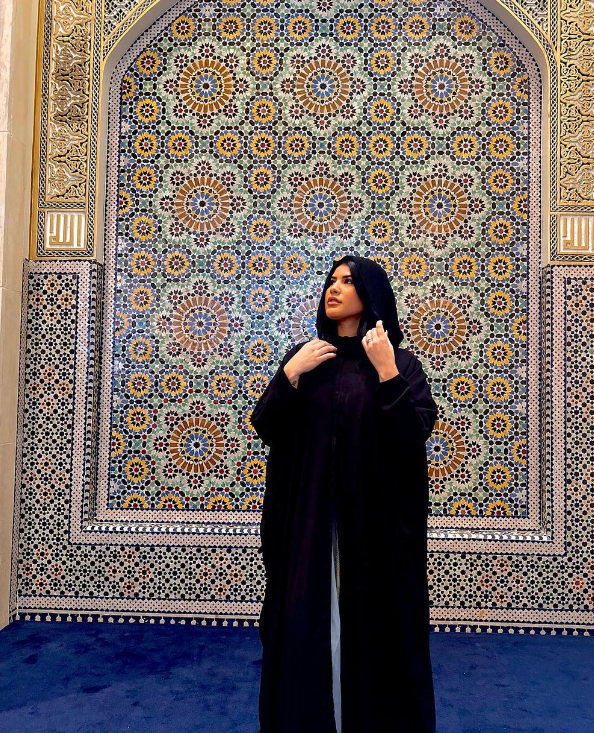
<point>59,570</point>
<point>247,150</point>
<point>254,146</point>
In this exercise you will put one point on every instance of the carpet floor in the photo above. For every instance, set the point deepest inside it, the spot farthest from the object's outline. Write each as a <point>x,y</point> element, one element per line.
<point>114,678</point>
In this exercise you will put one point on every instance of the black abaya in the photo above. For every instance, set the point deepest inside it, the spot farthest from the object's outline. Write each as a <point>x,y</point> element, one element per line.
<point>344,441</point>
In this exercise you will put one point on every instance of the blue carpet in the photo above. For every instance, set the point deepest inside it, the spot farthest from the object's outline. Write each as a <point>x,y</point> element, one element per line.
<point>95,678</point>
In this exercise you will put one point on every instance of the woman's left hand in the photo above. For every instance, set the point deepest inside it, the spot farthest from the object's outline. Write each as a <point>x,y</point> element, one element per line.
<point>380,352</point>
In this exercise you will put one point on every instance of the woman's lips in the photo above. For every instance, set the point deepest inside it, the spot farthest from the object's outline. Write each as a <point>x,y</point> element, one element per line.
<point>334,302</point>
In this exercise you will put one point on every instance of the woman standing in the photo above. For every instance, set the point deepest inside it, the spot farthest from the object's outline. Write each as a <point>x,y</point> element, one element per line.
<point>345,621</point>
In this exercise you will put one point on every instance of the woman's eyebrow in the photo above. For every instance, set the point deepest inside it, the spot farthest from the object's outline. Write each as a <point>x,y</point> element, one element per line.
<point>333,277</point>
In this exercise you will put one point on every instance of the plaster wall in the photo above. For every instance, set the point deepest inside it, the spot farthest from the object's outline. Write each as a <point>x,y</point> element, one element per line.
<point>18,20</point>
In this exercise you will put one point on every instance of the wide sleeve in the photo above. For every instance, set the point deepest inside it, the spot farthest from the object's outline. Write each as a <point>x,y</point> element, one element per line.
<point>274,415</point>
<point>406,408</point>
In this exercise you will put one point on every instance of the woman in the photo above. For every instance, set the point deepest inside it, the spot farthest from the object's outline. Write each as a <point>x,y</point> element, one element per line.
<point>344,521</point>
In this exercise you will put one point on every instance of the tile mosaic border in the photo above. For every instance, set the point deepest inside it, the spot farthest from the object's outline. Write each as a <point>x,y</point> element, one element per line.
<point>459,627</point>
<point>195,620</point>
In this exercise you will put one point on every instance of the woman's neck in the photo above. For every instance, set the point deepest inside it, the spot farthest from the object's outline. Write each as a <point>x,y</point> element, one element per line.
<point>348,326</point>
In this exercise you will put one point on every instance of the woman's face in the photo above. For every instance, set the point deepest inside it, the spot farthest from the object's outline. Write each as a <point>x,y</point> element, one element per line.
<point>343,290</point>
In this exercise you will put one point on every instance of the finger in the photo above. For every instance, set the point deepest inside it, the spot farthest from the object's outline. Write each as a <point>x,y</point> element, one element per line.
<point>325,354</point>
<point>380,327</point>
<point>325,346</point>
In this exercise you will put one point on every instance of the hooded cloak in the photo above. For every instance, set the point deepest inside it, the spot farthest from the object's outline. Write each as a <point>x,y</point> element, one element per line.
<point>347,462</point>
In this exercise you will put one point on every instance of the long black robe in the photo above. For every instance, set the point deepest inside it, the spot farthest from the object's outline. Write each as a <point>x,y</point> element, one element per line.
<point>343,437</point>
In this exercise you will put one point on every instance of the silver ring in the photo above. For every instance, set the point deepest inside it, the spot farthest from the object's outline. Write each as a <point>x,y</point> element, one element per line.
<point>369,340</point>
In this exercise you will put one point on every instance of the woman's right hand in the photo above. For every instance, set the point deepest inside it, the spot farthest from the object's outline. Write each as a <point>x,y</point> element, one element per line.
<point>309,356</point>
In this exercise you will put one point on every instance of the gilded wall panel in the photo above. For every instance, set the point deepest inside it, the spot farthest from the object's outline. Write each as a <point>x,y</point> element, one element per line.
<point>64,130</point>
<point>576,49</point>
<point>68,99</point>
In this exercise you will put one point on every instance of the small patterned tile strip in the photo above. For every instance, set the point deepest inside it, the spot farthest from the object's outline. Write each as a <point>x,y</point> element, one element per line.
<point>118,13</point>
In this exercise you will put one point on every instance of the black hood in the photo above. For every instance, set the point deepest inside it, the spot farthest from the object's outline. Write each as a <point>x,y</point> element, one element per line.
<point>374,288</point>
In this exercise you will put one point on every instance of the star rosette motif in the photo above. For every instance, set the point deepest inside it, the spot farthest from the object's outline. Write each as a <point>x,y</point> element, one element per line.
<point>256,143</point>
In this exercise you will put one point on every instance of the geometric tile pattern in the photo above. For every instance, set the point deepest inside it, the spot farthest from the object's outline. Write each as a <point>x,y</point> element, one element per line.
<point>61,566</point>
<point>403,134</point>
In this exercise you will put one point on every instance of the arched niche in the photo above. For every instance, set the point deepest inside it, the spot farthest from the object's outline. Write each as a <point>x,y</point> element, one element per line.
<point>537,141</point>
